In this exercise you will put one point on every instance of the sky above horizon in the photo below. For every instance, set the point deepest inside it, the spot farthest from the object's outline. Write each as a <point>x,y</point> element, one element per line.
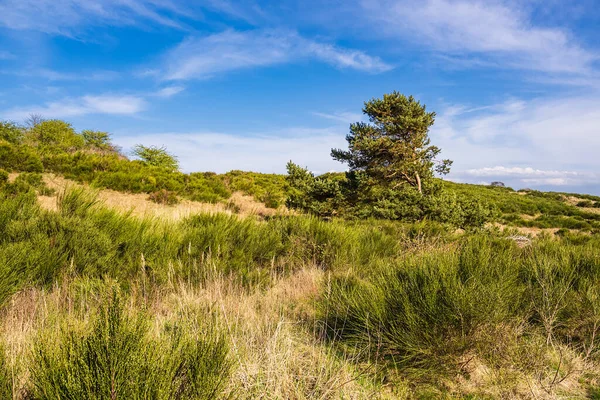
<point>250,85</point>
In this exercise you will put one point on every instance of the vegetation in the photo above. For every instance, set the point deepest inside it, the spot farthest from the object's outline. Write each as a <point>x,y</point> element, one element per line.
<point>156,157</point>
<point>392,172</point>
<point>367,290</point>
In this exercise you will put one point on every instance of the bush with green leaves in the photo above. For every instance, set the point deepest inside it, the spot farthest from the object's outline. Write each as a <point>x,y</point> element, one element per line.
<point>54,135</point>
<point>11,132</point>
<point>428,311</point>
<point>271,189</point>
<point>334,194</point>
<point>3,177</point>
<point>156,157</point>
<point>14,157</point>
<point>97,140</point>
<point>117,358</point>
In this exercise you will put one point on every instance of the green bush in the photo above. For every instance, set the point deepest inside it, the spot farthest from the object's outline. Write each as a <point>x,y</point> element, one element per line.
<point>117,359</point>
<point>11,132</point>
<point>585,203</point>
<point>19,158</point>
<point>3,177</point>
<point>428,311</point>
<point>164,197</point>
<point>54,136</point>
<point>271,189</point>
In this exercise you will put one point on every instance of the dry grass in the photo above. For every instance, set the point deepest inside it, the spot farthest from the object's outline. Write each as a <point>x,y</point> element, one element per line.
<point>139,205</point>
<point>275,353</point>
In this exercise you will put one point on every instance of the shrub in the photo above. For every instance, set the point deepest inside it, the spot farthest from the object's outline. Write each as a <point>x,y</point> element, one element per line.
<point>19,158</point>
<point>164,196</point>
<point>423,313</point>
<point>54,135</point>
<point>156,157</point>
<point>3,177</point>
<point>585,203</point>
<point>117,359</point>
<point>10,132</point>
<point>97,140</point>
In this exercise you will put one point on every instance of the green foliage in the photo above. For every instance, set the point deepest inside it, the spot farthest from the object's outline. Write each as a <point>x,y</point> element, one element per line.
<point>335,194</point>
<point>270,189</point>
<point>54,135</point>
<point>156,157</point>
<point>97,140</point>
<point>117,359</point>
<point>394,148</point>
<point>541,209</point>
<point>428,311</point>
<point>585,203</point>
<point>391,172</point>
<point>3,177</point>
<point>19,158</point>
<point>11,132</point>
<point>164,197</point>
<point>115,172</point>
<point>32,181</point>
<point>320,195</point>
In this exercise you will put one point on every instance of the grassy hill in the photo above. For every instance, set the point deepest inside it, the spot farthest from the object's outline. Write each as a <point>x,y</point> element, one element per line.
<point>120,279</point>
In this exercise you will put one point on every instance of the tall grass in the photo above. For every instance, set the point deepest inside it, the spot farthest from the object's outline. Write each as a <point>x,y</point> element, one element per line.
<point>38,246</point>
<point>117,359</point>
<point>427,314</point>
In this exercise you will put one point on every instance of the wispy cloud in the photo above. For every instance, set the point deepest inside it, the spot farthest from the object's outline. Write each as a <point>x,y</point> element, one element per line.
<point>169,91</point>
<point>343,117</point>
<point>203,57</point>
<point>557,137</point>
<point>206,151</point>
<point>71,17</point>
<point>53,75</point>
<point>502,31</point>
<point>72,107</point>
<point>529,175</point>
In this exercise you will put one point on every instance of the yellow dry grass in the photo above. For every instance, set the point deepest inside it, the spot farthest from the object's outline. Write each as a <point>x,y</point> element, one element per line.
<point>276,355</point>
<point>139,205</point>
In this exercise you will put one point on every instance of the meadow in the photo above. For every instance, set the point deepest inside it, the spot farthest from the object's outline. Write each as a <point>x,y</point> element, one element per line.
<point>99,301</point>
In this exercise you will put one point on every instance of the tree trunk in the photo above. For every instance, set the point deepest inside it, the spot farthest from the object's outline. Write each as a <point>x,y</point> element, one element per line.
<point>418,182</point>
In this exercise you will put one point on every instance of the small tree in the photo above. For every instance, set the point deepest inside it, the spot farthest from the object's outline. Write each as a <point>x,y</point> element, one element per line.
<point>10,132</point>
<point>157,157</point>
<point>394,148</point>
<point>54,133</point>
<point>97,139</point>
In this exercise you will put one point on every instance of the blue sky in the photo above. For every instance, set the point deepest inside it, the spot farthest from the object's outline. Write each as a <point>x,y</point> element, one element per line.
<point>250,85</point>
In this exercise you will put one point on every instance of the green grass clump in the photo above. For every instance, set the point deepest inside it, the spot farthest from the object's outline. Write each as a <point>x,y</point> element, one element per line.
<point>117,358</point>
<point>428,311</point>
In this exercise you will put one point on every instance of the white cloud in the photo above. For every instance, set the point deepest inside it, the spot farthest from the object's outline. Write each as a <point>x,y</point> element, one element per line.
<point>71,107</point>
<point>533,176</point>
<point>205,151</point>
<point>203,57</point>
<point>72,17</point>
<point>343,117</point>
<point>556,139</point>
<point>500,29</point>
<point>169,91</point>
